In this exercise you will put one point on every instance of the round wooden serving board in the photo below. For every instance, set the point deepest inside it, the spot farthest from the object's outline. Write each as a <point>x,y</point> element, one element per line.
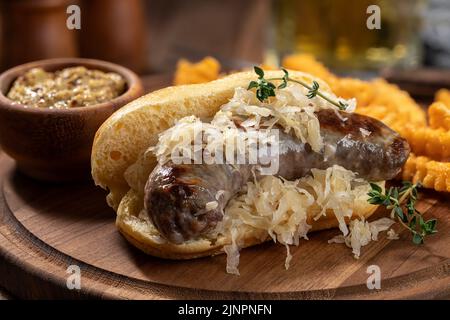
<point>46,228</point>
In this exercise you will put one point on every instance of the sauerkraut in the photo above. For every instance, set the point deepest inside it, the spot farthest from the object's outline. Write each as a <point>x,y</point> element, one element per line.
<point>290,109</point>
<point>280,209</point>
<point>392,235</point>
<point>273,207</point>
<point>361,233</point>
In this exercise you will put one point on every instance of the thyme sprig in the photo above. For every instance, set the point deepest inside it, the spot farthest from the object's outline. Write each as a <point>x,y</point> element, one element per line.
<point>401,202</point>
<point>314,90</point>
<point>265,88</point>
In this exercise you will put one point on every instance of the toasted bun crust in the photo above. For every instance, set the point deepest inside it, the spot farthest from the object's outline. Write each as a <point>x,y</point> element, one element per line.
<point>119,164</point>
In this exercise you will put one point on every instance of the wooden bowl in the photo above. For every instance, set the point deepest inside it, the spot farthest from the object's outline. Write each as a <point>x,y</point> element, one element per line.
<point>55,144</point>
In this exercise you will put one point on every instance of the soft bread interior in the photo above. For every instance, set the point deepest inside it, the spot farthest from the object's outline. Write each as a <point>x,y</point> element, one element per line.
<point>121,165</point>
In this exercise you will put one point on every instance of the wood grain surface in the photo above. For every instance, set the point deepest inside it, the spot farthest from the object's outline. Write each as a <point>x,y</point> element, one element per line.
<point>46,228</point>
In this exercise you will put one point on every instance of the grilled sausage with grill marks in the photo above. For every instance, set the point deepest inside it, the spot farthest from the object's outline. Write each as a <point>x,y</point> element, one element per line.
<point>176,196</point>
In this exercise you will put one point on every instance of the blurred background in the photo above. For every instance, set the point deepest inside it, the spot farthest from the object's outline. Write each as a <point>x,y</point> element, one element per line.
<point>149,36</point>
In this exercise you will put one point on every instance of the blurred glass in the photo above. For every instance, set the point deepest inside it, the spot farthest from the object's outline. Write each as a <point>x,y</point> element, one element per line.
<point>436,35</point>
<point>335,31</point>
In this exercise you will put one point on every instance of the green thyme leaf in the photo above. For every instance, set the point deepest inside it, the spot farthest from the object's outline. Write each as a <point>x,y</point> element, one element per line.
<point>314,90</point>
<point>376,187</point>
<point>417,239</point>
<point>399,213</point>
<point>282,85</point>
<point>284,80</point>
<point>343,106</point>
<point>259,72</point>
<point>401,202</point>
<point>430,226</point>
<point>252,84</point>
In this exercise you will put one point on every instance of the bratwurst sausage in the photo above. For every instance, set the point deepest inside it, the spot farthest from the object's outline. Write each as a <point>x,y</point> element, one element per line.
<point>186,201</point>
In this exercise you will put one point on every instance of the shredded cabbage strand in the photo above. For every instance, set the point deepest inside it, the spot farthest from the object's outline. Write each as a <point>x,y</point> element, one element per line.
<point>277,208</point>
<point>290,109</point>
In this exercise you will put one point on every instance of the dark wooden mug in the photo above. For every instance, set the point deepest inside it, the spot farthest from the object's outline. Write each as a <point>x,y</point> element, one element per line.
<point>34,30</point>
<point>116,31</point>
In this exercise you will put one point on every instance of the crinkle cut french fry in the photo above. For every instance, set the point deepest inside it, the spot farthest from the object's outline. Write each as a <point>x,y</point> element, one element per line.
<point>443,96</point>
<point>377,98</point>
<point>205,70</point>
<point>433,143</point>
<point>380,100</point>
<point>439,115</point>
<point>431,174</point>
<point>308,63</point>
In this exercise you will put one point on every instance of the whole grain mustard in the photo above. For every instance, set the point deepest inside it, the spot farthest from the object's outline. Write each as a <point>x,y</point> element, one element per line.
<point>67,88</point>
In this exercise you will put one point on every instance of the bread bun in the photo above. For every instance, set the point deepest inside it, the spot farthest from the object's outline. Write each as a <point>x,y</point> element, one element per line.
<point>120,164</point>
